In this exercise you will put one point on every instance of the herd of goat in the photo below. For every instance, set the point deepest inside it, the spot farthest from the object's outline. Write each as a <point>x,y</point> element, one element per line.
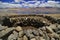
<point>29,22</point>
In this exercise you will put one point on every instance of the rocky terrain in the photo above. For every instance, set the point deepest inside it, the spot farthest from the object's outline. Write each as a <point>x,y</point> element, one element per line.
<point>27,27</point>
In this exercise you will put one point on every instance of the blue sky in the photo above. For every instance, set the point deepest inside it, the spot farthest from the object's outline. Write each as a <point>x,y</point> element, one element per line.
<point>29,3</point>
<point>24,0</point>
<point>12,0</point>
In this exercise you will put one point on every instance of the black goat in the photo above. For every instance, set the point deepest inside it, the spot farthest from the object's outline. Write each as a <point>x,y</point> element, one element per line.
<point>6,22</point>
<point>31,22</point>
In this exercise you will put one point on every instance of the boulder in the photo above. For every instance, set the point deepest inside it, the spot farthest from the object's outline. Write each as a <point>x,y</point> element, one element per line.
<point>25,37</point>
<point>28,34</point>
<point>37,37</point>
<point>53,35</point>
<point>21,33</point>
<point>53,26</point>
<point>33,39</point>
<point>58,27</point>
<point>49,30</point>
<point>20,39</point>
<point>6,32</point>
<point>18,28</point>
<point>40,32</point>
<point>35,32</point>
<point>41,38</point>
<point>52,38</point>
<point>3,27</point>
<point>0,39</point>
<point>58,32</point>
<point>13,36</point>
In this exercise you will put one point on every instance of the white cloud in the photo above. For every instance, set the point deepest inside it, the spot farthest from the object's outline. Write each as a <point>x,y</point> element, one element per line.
<point>27,4</point>
<point>18,1</point>
<point>50,4</point>
<point>9,5</point>
<point>37,3</point>
<point>31,5</point>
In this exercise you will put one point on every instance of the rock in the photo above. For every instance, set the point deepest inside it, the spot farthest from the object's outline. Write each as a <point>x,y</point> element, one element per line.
<point>46,37</point>
<point>33,39</point>
<point>5,32</point>
<point>58,21</point>
<point>3,27</point>
<point>58,32</point>
<point>29,30</point>
<point>10,37</point>
<point>53,35</point>
<point>28,34</point>
<point>50,35</point>
<point>25,31</point>
<point>18,28</point>
<point>41,38</point>
<point>0,39</point>
<point>37,38</point>
<point>25,37</point>
<point>20,39</point>
<point>59,27</point>
<point>21,33</point>
<point>52,39</point>
<point>35,32</point>
<point>43,28</point>
<point>53,26</point>
<point>13,36</point>
<point>44,22</point>
<point>40,32</point>
<point>49,30</point>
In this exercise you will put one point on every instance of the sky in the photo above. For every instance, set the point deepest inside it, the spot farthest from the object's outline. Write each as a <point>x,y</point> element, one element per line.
<point>24,0</point>
<point>26,3</point>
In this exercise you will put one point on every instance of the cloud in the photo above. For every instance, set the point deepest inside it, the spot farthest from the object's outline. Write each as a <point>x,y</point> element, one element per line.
<point>18,1</point>
<point>9,5</point>
<point>50,4</point>
<point>29,4</point>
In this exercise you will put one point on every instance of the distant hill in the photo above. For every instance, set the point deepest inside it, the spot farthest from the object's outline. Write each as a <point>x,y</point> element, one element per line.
<point>41,10</point>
